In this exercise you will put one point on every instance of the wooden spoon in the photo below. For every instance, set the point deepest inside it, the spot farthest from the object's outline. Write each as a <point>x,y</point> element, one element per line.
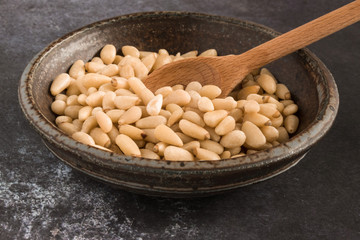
<point>228,71</point>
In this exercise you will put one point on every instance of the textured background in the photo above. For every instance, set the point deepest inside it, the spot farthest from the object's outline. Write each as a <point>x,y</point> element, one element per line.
<point>41,198</point>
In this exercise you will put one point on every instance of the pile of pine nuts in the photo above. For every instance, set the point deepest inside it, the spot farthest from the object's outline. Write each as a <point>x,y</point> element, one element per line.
<point>104,103</point>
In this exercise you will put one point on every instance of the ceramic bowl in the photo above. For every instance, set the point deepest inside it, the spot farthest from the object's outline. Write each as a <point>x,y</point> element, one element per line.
<point>310,82</point>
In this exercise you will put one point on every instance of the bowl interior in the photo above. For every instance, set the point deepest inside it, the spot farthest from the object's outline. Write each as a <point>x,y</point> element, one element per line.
<point>176,33</point>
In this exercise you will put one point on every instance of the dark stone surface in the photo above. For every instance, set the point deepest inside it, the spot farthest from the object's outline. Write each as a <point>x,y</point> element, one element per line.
<point>41,198</point>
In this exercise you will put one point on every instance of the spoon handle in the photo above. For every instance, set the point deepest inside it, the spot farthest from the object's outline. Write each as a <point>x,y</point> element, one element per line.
<point>302,36</point>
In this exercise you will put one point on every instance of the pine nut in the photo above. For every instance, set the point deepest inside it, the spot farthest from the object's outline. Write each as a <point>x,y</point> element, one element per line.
<point>190,146</point>
<point>179,97</point>
<point>227,104</point>
<point>195,97</point>
<point>60,83</point>
<point>94,80</point>
<point>267,82</point>
<point>291,123</point>
<point>254,137</point>
<point>234,151</point>
<point>205,104</point>
<point>212,119</point>
<point>133,132</point>
<point>256,97</point>
<point>244,92</point>
<point>63,119</point>
<point>177,86</point>
<point>165,113</point>
<point>117,59</point>
<point>58,107</point>
<point>77,69</point>
<point>104,121</point>
<point>161,60</point>
<point>172,107</point>
<point>167,135</point>
<point>68,128</point>
<point>84,113</point>
<point>283,135</point>
<point>149,61</point>
<point>100,137</point>
<point>82,99</point>
<point>212,146</point>
<point>257,119</point>
<point>130,116</point>
<point>146,153</point>
<point>150,122</point>
<point>271,133</point>
<point>269,110</point>
<point>193,86</point>
<point>190,54</point>
<point>108,101</point>
<point>120,82</point>
<point>140,143</point>
<point>72,89</point>
<point>109,70</point>
<point>78,124</point>
<point>159,148</point>
<point>225,154</point>
<point>225,126</point>
<point>108,53</point>
<point>287,102</point>
<point>140,89</point>
<point>204,154</point>
<point>61,97</point>
<point>277,122</point>
<point>173,153</point>
<point>114,132</point>
<point>290,109</point>
<point>210,91</point>
<point>251,106</point>
<point>235,138</point>
<point>93,67</point>
<point>194,117</point>
<point>209,53</point>
<point>154,105</point>
<point>89,124</point>
<point>127,145</point>
<point>95,99</point>
<point>279,105</point>
<point>282,91</point>
<point>124,92</point>
<point>72,111</point>
<point>165,91</point>
<point>193,130</point>
<point>130,50</point>
<point>83,138</point>
<point>125,102</point>
<point>97,59</point>
<point>107,87</point>
<point>126,71</point>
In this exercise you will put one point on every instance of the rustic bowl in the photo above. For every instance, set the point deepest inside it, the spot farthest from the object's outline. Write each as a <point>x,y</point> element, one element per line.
<point>310,82</point>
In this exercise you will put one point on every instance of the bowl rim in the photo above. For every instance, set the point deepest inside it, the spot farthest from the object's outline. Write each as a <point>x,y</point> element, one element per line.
<point>298,144</point>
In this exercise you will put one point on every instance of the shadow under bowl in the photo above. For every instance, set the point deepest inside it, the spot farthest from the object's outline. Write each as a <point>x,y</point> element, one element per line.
<point>310,82</point>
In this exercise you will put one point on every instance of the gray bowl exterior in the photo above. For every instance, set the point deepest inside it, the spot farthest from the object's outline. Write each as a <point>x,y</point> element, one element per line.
<point>312,86</point>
